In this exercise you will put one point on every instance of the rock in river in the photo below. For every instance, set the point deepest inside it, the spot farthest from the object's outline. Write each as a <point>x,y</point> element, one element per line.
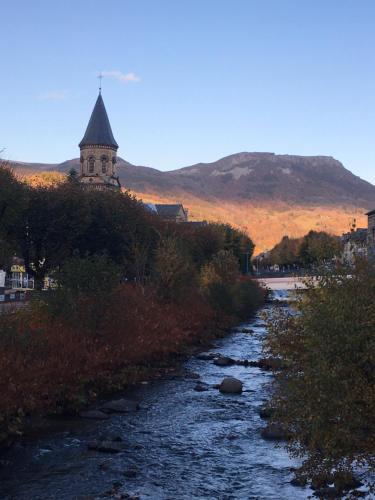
<point>106,446</point>
<point>327,492</point>
<point>266,412</point>
<point>231,385</point>
<point>206,356</point>
<point>120,406</point>
<point>299,481</point>
<point>270,363</point>
<point>131,472</point>
<point>201,387</point>
<point>224,361</point>
<point>94,415</point>
<point>191,375</point>
<point>345,481</point>
<point>273,432</point>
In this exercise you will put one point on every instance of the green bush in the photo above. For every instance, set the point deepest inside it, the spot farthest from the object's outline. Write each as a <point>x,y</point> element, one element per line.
<point>247,297</point>
<point>226,290</point>
<point>174,273</point>
<point>220,297</point>
<point>325,397</point>
<point>89,279</point>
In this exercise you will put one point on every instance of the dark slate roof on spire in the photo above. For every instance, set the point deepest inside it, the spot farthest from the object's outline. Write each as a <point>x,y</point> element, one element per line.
<point>99,130</point>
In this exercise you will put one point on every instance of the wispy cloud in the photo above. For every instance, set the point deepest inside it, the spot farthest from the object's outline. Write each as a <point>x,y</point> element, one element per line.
<point>122,77</point>
<point>53,95</point>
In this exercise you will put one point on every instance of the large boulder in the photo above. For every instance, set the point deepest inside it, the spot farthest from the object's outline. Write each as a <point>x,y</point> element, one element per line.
<point>231,385</point>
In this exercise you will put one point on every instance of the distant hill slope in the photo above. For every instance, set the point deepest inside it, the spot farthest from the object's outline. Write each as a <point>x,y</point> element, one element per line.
<point>245,177</point>
<point>266,194</point>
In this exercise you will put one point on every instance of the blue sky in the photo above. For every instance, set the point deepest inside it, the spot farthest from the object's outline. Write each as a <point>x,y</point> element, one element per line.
<point>191,80</point>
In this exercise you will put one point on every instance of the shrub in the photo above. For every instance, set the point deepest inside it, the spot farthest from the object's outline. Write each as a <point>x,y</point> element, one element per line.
<point>220,297</point>
<point>325,397</point>
<point>223,268</point>
<point>51,362</point>
<point>80,281</point>
<point>173,270</point>
<point>225,291</point>
<point>248,296</point>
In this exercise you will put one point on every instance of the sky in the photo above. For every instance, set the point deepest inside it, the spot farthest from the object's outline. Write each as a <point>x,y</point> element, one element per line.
<point>188,81</point>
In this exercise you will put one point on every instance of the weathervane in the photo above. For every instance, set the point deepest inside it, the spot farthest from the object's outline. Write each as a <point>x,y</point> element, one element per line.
<point>100,76</point>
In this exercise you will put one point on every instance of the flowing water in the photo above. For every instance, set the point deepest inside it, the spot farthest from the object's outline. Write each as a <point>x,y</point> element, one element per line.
<point>181,444</point>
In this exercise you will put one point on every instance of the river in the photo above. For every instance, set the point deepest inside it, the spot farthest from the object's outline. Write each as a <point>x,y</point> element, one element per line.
<point>181,444</point>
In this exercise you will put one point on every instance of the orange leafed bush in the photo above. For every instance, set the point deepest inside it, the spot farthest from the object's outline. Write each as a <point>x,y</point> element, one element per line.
<point>48,363</point>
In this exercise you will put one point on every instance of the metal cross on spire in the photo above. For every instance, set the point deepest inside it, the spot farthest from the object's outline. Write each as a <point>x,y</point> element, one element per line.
<point>100,76</point>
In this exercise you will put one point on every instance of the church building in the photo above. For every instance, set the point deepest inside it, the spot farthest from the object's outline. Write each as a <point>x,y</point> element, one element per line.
<point>99,152</point>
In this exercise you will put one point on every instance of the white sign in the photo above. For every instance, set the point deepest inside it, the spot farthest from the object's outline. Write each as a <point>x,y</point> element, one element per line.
<point>2,278</point>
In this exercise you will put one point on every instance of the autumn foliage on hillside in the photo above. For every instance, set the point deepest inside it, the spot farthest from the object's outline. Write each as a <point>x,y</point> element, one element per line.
<point>267,221</point>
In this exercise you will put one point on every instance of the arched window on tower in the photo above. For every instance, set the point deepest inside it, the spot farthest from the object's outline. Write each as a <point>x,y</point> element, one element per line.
<point>91,164</point>
<point>104,160</point>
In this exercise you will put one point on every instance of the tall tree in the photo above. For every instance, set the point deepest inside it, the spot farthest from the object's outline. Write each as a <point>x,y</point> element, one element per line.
<point>13,200</point>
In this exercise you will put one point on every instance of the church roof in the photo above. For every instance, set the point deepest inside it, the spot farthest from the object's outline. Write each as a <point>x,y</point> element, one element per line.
<point>99,132</point>
<point>169,210</point>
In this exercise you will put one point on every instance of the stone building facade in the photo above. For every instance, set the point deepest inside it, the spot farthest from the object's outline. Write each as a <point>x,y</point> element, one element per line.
<point>99,152</point>
<point>354,245</point>
<point>371,228</point>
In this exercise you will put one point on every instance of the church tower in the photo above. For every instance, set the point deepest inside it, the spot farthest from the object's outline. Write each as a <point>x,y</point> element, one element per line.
<point>99,152</point>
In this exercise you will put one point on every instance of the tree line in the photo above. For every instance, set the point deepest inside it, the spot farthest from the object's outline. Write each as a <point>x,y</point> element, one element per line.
<point>315,248</point>
<point>47,226</point>
<point>132,292</point>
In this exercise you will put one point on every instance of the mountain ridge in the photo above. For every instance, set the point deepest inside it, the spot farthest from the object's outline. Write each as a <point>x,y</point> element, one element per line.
<point>265,194</point>
<point>245,176</point>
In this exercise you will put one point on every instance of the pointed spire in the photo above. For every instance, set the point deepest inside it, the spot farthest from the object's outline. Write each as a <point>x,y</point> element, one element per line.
<point>99,132</point>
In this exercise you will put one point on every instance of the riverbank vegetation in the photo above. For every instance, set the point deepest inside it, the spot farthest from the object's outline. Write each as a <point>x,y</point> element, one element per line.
<point>132,293</point>
<point>313,249</point>
<point>324,397</point>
